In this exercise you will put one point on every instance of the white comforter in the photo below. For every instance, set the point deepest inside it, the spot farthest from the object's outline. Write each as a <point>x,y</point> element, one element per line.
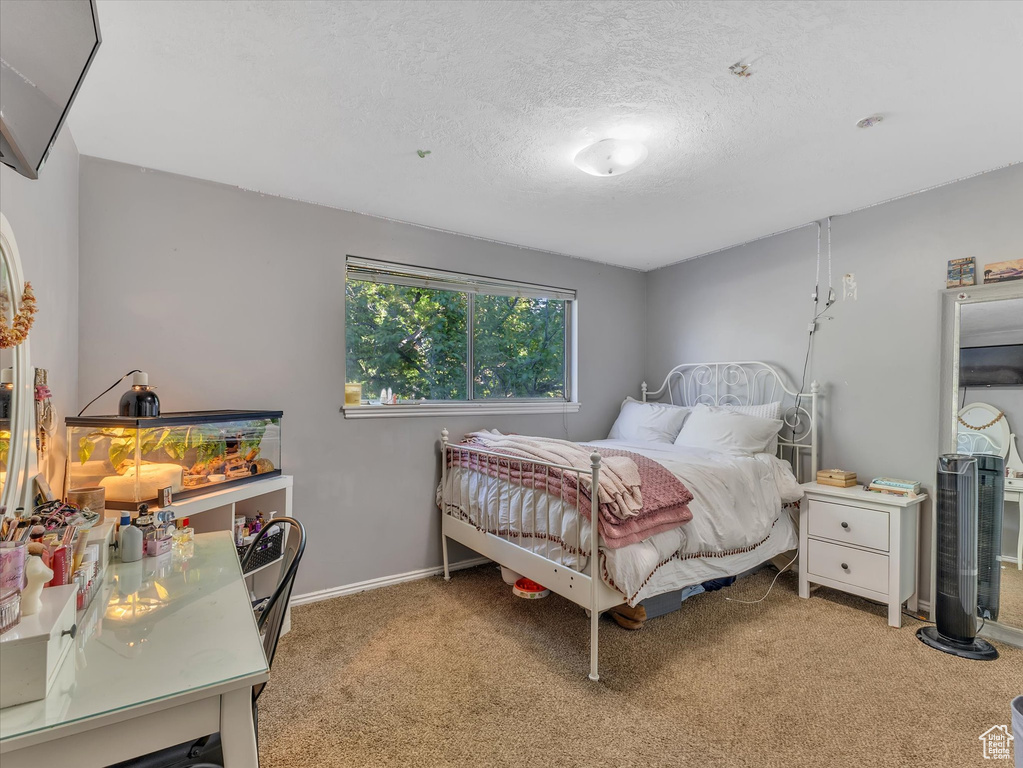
<point>737,516</point>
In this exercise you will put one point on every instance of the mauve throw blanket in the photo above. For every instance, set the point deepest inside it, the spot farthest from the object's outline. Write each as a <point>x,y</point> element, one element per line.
<point>637,496</point>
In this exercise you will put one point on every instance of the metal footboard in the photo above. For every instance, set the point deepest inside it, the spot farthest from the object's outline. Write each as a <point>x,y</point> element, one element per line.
<point>474,517</point>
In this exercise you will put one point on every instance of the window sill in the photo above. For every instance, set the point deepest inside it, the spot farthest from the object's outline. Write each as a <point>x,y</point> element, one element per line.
<point>455,409</point>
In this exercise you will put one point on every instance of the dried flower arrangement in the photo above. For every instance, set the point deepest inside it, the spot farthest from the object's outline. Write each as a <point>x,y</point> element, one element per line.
<point>14,334</point>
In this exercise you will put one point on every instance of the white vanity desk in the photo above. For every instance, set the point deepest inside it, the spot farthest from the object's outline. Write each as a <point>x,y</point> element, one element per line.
<point>167,653</point>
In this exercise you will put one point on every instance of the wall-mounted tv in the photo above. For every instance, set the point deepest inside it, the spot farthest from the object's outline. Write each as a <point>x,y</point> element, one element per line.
<point>46,47</point>
<point>1000,366</point>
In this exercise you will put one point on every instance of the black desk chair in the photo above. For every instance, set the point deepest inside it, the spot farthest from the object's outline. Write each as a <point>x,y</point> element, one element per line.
<point>207,751</point>
<point>270,612</point>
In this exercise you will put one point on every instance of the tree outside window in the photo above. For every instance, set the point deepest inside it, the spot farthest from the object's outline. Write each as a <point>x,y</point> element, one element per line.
<point>417,341</point>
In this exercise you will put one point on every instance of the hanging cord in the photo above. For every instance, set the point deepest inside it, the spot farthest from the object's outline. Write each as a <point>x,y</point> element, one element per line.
<point>97,397</point>
<point>761,599</point>
<point>831,285</point>
<point>817,277</point>
<point>816,302</point>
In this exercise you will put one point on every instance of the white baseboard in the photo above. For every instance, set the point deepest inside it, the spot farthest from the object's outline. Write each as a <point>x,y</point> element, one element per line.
<point>383,581</point>
<point>925,605</point>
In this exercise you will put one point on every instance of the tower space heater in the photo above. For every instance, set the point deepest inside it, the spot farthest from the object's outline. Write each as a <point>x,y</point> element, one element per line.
<point>955,631</point>
<point>990,504</point>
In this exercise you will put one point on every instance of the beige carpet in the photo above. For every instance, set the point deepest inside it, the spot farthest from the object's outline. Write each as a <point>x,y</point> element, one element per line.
<point>464,674</point>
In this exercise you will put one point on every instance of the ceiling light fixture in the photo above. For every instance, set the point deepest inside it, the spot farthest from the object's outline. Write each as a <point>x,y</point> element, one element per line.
<point>610,157</point>
<point>869,122</point>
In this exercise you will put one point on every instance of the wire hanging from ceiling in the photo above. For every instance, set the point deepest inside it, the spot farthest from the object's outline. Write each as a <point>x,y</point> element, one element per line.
<point>816,303</point>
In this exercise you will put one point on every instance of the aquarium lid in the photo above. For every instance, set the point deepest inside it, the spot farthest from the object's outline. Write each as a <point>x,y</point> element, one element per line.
<point>171,419</point>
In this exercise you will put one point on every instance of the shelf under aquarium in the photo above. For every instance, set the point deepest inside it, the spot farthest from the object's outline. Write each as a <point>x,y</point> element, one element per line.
<point>192,493</point>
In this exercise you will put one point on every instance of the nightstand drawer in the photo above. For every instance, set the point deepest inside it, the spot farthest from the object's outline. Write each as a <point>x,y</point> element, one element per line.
<point>849,525</point>
<point>850,566</point>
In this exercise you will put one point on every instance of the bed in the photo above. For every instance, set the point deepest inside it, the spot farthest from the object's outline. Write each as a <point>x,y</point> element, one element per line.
<point>673,511</point>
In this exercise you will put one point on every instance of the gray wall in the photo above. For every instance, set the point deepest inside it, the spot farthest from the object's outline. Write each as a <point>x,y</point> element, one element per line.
<point>231,299</point>
<point>44,216</point>
<point>234,299</point>
<point>878,356</point>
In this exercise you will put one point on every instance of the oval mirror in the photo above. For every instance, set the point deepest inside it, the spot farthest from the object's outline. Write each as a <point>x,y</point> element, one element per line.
<point>17,442</point>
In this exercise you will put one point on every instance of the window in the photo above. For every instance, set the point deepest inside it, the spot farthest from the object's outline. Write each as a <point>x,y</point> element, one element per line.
<point>444,339</point>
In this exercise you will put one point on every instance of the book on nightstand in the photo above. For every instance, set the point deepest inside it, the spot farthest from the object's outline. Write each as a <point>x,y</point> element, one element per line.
<point>906,488</point>
<point>839,478</point>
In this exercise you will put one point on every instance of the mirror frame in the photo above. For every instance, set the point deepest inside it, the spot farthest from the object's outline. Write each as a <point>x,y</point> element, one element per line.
<point>21,458</point>
<point>952,301</point>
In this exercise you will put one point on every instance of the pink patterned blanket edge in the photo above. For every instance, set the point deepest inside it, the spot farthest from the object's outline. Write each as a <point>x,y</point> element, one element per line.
<point>637,497</point>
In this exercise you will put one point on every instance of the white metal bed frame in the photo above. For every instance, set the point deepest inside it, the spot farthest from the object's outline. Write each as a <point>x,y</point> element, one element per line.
<point>727,383</point>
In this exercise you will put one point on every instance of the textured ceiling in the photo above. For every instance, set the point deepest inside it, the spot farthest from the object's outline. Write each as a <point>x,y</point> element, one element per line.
<point>328,102</point>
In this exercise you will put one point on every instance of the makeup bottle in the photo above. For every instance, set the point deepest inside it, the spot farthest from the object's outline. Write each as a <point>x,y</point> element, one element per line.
<point>130,543</point>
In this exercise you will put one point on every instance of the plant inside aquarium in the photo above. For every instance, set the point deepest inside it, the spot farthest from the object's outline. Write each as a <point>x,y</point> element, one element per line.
<point>210,442</point>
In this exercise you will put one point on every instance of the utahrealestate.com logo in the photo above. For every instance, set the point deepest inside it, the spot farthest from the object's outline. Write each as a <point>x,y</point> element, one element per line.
<point>997,743</point>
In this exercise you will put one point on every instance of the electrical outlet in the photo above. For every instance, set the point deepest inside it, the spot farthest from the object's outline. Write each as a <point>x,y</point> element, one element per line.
<point>849,286</point>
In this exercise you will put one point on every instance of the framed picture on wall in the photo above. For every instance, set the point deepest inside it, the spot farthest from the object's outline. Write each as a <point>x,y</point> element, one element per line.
<point>1001,271</point>
<point>962,272</point>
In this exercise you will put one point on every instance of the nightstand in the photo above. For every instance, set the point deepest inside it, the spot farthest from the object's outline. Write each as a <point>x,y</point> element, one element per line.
<point>860,542</point>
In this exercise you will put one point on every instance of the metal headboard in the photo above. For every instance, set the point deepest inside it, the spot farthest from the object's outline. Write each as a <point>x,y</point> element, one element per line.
<point>749,383</point>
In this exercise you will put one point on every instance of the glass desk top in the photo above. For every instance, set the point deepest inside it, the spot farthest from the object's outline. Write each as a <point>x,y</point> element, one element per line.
<point>158,628</point>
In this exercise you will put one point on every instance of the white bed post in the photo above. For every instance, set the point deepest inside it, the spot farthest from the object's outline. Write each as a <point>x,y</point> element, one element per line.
<point>595,560</point>
<point>443,497</point>
<point>643,390</point>
<point>815,390</point>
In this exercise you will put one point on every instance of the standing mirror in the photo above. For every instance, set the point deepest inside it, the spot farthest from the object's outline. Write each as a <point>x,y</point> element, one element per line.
<point>17,427</point>
<point>981,414</point>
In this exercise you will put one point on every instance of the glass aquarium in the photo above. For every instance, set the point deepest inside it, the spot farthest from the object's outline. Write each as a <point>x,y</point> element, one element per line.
<point>190,453</point>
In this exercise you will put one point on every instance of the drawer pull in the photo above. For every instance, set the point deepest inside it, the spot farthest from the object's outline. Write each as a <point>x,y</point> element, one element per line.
<point>73,631</point>
<point>845,525</point>
<point>845,566</point>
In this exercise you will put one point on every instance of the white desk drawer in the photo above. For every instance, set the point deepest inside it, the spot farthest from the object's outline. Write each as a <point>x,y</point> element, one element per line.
<point>850,566</point>
<point>849,525</point>
<point>31,652</point>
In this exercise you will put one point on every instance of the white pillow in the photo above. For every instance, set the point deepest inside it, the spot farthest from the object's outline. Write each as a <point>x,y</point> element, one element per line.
<point>765,411</point>
<point>722,429</point>
<point>648,422</point>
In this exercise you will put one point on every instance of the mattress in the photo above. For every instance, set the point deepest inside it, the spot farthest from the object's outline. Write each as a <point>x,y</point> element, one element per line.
<point>739,519</point>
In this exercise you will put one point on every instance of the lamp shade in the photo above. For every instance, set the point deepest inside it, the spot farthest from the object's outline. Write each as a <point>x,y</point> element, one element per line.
<point>139,401</point>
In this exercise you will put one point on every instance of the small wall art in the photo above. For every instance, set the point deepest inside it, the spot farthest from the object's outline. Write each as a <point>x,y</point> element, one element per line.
<point>962,272</point>
<point>1001,271</point>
